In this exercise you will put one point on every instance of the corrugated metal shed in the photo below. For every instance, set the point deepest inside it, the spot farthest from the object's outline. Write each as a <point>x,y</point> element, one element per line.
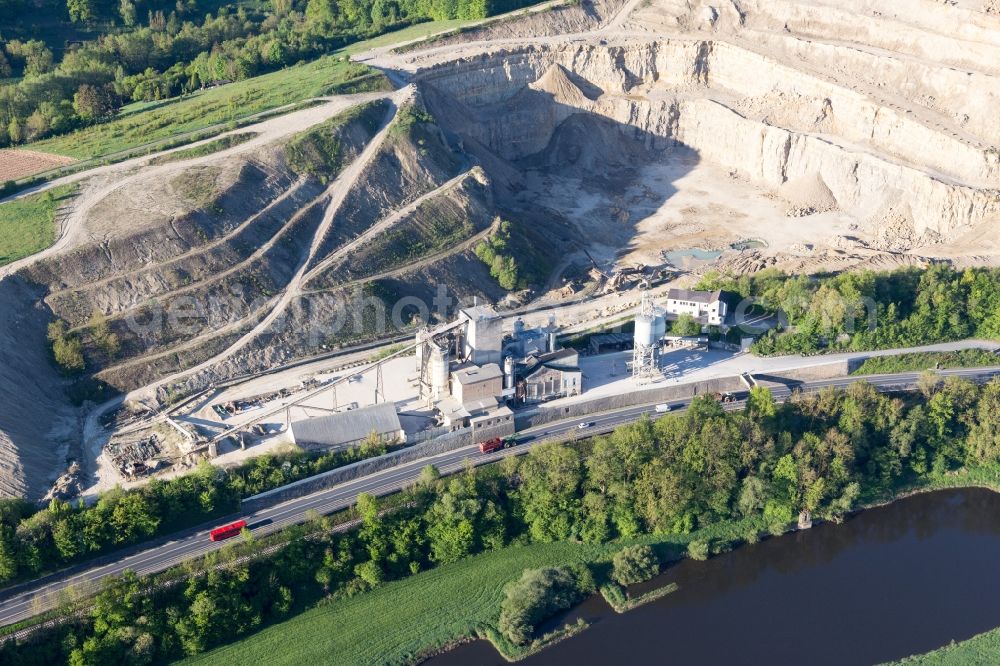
<point>348,428</point>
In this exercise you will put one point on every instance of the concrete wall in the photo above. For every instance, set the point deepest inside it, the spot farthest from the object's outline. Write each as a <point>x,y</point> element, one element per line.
<point>811,373</point>
<point>535,417</point>
<point>442,444</point>
<point>482,432</point>
<point>549,413</point>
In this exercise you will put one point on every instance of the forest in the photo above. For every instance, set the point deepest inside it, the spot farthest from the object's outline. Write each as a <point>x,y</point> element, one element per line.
<point>868,310</point>
<point>65,65</point>
<point>34,541</point>
<point>825,453</point>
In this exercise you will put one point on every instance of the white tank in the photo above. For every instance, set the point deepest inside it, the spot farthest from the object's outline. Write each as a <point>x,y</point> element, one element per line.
<point>508,372</point>
<point>659,326</point>
<point>645,333</point>
<point>439,361</point>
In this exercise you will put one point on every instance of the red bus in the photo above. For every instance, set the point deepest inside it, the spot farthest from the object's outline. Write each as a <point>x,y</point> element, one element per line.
<point>227,531</point>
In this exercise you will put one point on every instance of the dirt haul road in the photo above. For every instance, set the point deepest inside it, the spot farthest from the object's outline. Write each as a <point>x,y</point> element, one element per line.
<point>805,135</point>
<point>105,180</point>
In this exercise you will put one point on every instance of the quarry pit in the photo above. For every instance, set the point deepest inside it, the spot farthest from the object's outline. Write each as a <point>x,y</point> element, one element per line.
<point>673,137</point>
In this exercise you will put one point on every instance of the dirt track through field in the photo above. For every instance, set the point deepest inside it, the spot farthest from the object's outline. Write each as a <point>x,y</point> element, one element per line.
<point>101,182</point>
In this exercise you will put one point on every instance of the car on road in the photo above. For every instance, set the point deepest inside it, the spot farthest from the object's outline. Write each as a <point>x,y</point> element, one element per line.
<point>664,408</point>
<point>585,425</point>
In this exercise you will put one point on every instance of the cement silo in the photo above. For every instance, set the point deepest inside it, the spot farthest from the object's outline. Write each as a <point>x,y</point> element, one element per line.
<point>650,326</point>
<point>659,324</point>
<point>438,367</point>
<point>645,330</point>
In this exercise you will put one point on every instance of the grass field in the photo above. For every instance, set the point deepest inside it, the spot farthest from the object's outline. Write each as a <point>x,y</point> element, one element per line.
<point>224,104</point>
<point>414,616</point>
<point>149,122</point>
<point>213,146</point>
<point>418,31</point>
<point>406,618</point>
<point>965,358</point>
<point>401,619</point>
<point>28,225</point>
<point>982,649</point>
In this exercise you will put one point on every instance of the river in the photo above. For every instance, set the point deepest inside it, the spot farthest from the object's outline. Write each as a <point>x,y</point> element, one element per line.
<point>889,582</point>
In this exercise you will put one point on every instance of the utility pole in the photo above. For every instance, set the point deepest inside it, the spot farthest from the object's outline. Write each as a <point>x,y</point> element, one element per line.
<point>379,385</point>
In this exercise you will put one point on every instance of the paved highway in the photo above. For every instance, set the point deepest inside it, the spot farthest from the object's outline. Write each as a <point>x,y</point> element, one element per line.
<point>27,600</point>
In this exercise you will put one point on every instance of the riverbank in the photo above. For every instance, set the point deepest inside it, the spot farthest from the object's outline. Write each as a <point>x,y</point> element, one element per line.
<point>401,621</point>
<point>450,605</point>
<point>980,649</point>
<point>407,584</point>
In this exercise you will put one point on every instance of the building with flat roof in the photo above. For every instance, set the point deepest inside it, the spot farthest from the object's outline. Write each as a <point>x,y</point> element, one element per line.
<point>345,429</point>
<point>474,383</point>
<point>705,306</point>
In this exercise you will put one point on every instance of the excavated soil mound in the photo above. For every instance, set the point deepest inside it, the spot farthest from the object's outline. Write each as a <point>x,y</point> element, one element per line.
<point>556,81</point>
<point>808,192</point>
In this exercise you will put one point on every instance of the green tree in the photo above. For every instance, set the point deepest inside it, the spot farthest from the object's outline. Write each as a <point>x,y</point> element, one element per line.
<point>66,348</point>
<point>760,403</point>
<point>753,495</point>
<point>16,130</point>
<point>549,493</point>
<point>698,550</point>
<point>95,102</point>
<point>321,13</point>
<point>81,11</point>
<point>133,518</point>
<point>450,525</point>
<point>685,325</point>
<point>68,538</point>
<point>370,573</point>
<point>127,11</point>
<point>102,335</point>
<point>634,564</point>
<point>429,475</point>
<point>537,595</point>
<point>34,53</point>
<point>8,555</point>
<point>984,434</point>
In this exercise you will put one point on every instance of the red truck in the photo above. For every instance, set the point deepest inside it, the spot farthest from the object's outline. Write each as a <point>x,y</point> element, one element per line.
<point>495,444</point>
<point>227,531</point>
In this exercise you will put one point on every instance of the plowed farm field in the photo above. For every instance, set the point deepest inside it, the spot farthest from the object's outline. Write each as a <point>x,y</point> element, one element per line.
<point>16,164</point>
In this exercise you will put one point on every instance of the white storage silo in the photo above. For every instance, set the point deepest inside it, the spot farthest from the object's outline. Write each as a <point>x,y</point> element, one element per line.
<point>645,331</point>
<point>439,362</point>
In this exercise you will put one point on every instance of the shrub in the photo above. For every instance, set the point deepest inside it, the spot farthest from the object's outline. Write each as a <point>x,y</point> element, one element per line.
<point>634,564</point>
<point>698,550</point>
<point>66,348</point>
<point>537,595</point>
